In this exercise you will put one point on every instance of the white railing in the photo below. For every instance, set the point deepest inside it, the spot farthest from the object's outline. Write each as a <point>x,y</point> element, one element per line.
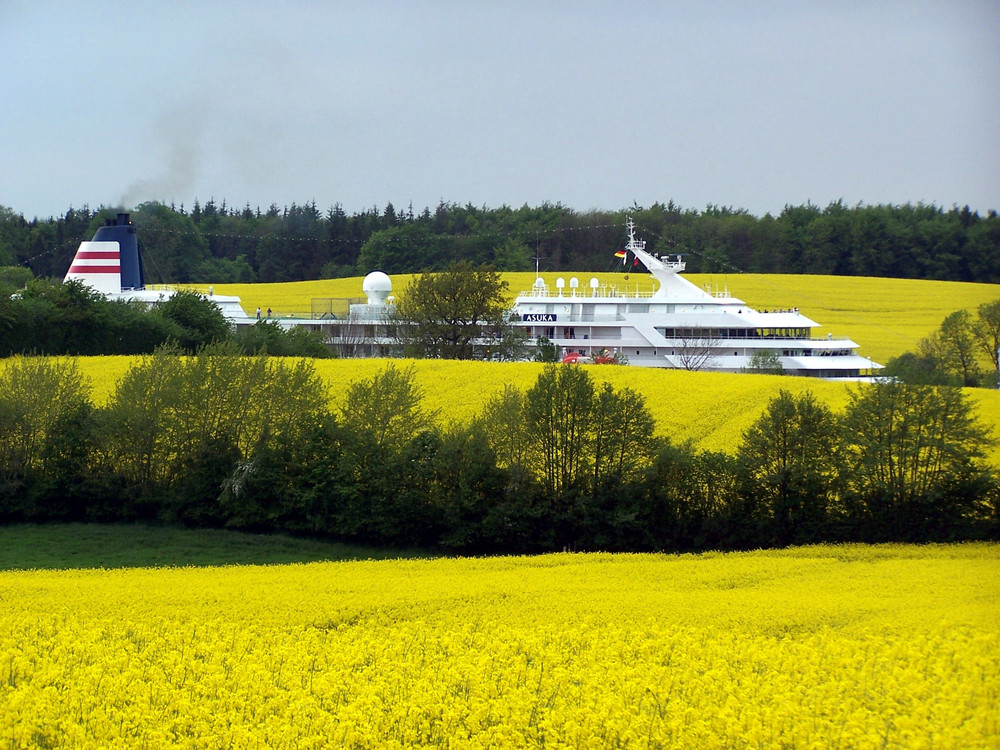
<point>600,293</point>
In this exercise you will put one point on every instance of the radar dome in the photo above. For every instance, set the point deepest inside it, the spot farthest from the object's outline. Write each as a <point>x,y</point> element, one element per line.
<point>377,286</point>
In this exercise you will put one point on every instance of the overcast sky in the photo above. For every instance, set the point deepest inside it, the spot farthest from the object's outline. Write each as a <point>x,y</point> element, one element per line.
<point>589,104</point>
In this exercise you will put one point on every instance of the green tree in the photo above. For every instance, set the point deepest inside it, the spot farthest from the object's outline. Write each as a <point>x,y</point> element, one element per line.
<point>386,408</point>
<point>688,499</point>
<point>765,362</point>
<point>176,426</point>
<point>986,330</point>
<point>459,313</point>
<point>406,493</point>
<point>559,415</point>
<point>954,347</point>
<point>918,369</point>
<point>401,249</point>
<point>192,320</point>
<point>910,450</point>
<point>268,337</point>
<point>391,446</point>
<point>13,278</point>
<point>520,517</point>
<point>66,488</point>
<point>791,463</point>
<point>292,482</point>
<point>503,424</point>
<point>478,515</point>
<point>30,322</point>
<point>546,351</point>
<point>512,255</point>
<point>982,249</point>
<point>225,271</point>
<point>623,435</point>
<point>577,446</point>
<point>135,448</point>
<point>49,317</point>
<point>36,395</point>
<point>507,343</point>
<point>10,223</point>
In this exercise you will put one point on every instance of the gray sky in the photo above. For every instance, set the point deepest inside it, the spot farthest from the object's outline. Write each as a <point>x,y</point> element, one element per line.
<point>590,104</point>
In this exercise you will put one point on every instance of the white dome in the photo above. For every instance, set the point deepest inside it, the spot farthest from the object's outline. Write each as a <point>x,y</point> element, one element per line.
<point>377,286</point>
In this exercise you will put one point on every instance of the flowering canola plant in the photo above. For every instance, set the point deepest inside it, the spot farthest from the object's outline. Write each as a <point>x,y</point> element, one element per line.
<point>827,646</point>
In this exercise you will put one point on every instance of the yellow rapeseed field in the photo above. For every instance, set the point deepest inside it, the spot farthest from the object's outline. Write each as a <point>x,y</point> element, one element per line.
<point>819,647</point>
<point>886,317</point>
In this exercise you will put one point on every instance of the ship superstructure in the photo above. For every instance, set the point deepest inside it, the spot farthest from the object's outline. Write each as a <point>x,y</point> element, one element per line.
<point>679,325</point>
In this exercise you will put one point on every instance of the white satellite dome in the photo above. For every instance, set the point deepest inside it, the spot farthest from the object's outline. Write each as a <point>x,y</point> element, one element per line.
<point>377,286</point>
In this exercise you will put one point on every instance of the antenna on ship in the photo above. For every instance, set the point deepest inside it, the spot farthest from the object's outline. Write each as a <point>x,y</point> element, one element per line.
<point>633,244</point>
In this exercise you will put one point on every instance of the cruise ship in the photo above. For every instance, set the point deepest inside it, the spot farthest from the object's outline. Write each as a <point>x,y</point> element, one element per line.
<point>678,325</point>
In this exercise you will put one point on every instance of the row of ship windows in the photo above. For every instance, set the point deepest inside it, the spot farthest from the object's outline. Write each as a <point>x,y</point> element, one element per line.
<point>569,332</point>
<point>734,333</point>
<point>596,310</point>
<point>611,334</point>
<point>701,334</point>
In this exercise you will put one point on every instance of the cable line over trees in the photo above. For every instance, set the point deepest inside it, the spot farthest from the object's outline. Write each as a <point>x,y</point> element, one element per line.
<point>217,243</point>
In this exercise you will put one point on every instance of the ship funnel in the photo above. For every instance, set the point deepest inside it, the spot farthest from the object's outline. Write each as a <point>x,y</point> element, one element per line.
<point>110,262</point>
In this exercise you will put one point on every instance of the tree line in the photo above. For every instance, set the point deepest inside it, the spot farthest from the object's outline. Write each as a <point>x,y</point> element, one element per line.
<point>220,243</point>
<point>221,440</point>
<point>46,316</point>
<point>963,351</point>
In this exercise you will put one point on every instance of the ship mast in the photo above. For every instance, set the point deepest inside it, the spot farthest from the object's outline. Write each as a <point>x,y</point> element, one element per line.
<point>633,243</point>
<point>652,263</point>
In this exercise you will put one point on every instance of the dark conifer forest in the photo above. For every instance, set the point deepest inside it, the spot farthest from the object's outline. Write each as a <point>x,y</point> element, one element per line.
<point>216,242</point>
